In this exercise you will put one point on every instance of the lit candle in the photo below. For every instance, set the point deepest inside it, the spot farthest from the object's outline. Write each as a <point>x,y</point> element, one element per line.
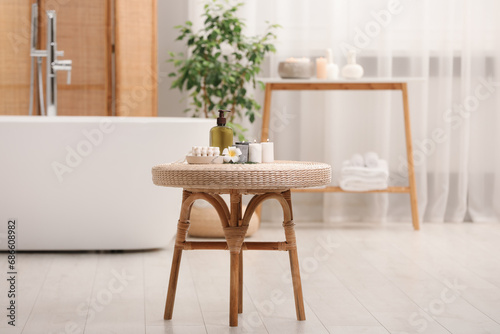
<point>321,68</point>
<point>255,152</point>
<point>290,60</point>
<point>268,151</point>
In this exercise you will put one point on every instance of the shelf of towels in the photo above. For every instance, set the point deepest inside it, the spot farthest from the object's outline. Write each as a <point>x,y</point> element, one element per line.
<point>362,174</point>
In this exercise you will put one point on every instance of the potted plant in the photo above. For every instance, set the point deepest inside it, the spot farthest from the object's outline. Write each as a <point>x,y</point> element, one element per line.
<point>221,65</point>
<point>218,71</point>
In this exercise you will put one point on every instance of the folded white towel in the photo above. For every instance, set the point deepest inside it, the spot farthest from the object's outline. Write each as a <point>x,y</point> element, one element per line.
<point>349,170</point>
<point>357,160</point>
<point>356,178</point>
<point>353,184</point>
<point>371,159</point>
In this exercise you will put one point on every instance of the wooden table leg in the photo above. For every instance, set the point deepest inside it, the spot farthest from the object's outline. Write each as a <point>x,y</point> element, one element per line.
<point>294,260</point>
<point>172,284</point>
<point>297,285</point>
<point>240,262</point>
<point>240,283</point>
<point>182,228</point>
<point>235,234</point>
<point>233,290</point>
<point>409,153</point>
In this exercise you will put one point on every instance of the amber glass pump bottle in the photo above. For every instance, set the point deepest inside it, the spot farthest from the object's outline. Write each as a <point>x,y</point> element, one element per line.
<point>221,135</point>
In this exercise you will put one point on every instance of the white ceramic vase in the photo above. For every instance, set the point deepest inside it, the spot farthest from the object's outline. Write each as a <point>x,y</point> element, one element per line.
<point>352,70</point>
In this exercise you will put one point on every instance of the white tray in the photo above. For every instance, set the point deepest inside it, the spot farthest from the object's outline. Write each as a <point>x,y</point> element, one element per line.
<point>204,160</point>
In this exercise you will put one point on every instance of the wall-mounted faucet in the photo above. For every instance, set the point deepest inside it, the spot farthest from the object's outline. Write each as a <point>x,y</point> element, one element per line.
<point>53,64</point>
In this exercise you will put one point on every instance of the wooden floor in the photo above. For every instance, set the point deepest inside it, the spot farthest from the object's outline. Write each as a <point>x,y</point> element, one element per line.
<point>357,278</point>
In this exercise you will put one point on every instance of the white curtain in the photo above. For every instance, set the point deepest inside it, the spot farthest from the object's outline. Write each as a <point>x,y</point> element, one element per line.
<point>455,111</point>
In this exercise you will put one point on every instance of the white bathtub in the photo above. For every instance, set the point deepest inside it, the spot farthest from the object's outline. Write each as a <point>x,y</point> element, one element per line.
<point>82,183</point>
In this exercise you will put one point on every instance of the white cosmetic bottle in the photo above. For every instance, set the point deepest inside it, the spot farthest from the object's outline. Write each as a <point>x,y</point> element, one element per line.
<point>332,69</point>
<point>352,70</point>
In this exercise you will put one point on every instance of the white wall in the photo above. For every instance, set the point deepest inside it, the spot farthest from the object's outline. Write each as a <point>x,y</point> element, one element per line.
<point>170,14</point>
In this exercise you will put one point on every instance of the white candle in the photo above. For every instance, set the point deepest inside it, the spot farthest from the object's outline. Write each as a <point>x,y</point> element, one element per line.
<point>332,71</point>
<point>321,68</point>
<point>255,152</point>
<point>329,56</point>
<point>268,151</point>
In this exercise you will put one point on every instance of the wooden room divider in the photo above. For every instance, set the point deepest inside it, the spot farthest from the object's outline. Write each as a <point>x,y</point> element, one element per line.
<point>112,44</point>
<point>14,56</point>
<point>136,58</point>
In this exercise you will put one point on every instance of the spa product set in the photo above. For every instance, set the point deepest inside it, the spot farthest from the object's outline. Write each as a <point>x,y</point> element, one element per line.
<point>221,142</point>
<point>326,69</point>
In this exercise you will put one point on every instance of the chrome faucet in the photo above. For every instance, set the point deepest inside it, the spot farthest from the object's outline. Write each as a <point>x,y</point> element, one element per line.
<point>53,64</point>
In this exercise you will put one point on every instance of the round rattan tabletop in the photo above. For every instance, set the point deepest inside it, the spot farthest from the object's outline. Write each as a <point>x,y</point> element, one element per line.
<point>275,175</point>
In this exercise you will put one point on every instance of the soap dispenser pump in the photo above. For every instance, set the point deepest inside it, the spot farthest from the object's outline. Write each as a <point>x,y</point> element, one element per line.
<point>221,136</point>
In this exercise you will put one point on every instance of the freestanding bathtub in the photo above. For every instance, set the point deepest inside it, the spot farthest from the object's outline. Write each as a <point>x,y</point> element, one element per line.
<point>84,183</point>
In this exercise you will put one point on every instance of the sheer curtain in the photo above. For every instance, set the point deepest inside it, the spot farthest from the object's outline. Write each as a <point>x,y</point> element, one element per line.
<point>455,111</point>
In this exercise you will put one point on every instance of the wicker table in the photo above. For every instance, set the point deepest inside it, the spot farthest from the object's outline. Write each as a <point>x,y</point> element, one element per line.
<point>264,181</point>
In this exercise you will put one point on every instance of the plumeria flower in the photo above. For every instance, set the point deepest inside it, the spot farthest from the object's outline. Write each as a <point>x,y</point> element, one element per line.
<point>231,154</point>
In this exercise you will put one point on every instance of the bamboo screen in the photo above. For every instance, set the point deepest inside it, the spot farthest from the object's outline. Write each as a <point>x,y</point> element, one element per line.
<point>14,56</point>
<point>136,63</point>
<point>85,33</point>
